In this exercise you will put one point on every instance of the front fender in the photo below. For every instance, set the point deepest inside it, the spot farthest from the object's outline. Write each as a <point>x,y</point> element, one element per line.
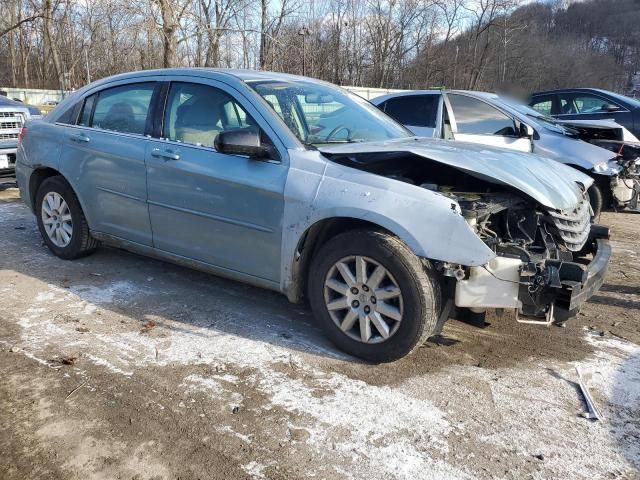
<point>429,223</point>
<point>572,151</point>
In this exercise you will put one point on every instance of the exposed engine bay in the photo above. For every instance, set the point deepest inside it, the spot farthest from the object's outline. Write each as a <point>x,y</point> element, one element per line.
<point>541,253</point>
<point>625,186</point>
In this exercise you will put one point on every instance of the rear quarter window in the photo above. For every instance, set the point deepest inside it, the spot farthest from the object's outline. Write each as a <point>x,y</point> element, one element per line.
<point>543,106</point>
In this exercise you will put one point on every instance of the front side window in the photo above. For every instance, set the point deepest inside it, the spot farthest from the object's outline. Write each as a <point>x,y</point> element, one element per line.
<point>123,109</point>
<point>414,110</point>
<point>320,114</point>
<point>196,114</point>
<point>474,116</point>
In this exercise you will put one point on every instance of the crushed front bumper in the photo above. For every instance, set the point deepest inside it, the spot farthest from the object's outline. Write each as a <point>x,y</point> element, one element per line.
<point>540,291</point>
<point>566,285</point>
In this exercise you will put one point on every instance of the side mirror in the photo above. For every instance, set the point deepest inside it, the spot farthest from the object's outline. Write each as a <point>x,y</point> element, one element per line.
<point>610,107</point>
<point>526,131</point>
<point>243,141</point>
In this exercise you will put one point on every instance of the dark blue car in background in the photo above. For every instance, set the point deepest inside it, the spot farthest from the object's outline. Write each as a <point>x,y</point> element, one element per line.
<point>589,104</point>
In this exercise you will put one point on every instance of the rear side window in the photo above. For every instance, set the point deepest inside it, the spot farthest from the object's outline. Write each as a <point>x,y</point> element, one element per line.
<point>413,110</point>
<point>196,113</point>
<point>474,116</point>
<point>123,109</point>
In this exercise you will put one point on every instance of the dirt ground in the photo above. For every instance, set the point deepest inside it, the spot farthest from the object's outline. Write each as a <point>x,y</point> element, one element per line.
<point>120,367</point>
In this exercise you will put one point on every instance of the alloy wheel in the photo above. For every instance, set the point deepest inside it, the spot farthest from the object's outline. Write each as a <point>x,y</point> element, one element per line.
<point>56,218</point>
<point>363,299</point>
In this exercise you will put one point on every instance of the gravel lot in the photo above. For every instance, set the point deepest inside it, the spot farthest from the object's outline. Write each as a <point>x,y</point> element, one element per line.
<point>121,367</point>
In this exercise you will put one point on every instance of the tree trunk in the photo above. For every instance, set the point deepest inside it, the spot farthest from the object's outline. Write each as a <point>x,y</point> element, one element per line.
<point>263,34</point>
<point>51,44</point>
<point>169,40</point>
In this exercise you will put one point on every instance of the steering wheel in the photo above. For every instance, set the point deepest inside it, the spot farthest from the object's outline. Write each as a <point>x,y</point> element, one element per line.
<point>337,130</point>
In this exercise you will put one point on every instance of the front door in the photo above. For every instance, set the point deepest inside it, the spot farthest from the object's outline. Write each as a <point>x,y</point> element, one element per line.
<point>225,210</point>
<point>104,156</point>
<point>475,121</point>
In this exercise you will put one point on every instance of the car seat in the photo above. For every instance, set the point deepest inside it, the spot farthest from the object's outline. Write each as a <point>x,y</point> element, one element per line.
<point>199,121</point>
<point>120,118</point>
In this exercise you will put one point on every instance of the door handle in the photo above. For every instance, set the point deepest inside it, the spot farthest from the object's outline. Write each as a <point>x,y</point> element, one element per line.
<point>168,154</point>
<point>80,137</point>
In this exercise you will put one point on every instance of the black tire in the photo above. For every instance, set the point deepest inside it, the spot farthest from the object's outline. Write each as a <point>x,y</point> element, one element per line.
<point>417,281</point>
<point>596,199</point>
<point>81,243</point>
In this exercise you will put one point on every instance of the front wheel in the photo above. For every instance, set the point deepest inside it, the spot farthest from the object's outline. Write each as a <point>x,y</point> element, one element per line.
<point>374,298</point>
<point>596,199</point>
<point>61,221</point>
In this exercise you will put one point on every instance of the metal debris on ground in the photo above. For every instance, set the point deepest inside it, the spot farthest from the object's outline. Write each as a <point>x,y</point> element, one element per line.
<point>592,412</point>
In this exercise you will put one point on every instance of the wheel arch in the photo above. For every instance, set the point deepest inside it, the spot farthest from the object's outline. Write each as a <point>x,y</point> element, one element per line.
<point>39,175</point>
<point>316,235</point>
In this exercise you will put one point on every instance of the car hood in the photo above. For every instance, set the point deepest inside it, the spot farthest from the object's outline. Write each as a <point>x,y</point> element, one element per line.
<point>598,125</point>
<point>550,183</point>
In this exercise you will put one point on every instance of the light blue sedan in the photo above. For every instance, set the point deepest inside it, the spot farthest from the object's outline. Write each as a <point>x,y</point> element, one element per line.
<point>296,185</point>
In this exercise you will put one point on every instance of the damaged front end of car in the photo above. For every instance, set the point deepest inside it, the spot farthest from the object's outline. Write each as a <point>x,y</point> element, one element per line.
<point>548,262</point>
<point>532,213</point>
<point>623,169</point>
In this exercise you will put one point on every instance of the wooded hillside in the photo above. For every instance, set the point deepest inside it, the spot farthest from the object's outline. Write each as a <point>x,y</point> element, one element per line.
<point>476,44</point>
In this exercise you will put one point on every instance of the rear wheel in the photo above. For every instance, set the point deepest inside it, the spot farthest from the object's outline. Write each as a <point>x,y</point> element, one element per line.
<point>61,221</point>
<point>373,296</point>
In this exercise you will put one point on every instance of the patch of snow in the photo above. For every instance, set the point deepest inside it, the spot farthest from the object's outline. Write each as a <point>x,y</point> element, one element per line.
<point>107,364</point>
<point>228,429</point>
<point>395,432</point>
<point>255,470</point>
<point>107,293</point>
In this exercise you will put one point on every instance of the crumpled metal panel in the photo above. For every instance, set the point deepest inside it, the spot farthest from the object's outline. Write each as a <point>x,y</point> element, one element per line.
<point>550,183</point>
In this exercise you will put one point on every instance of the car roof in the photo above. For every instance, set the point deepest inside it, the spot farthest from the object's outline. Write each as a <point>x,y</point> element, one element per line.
<point>382,98</point>
<point>229,73</point>
<point>7,102</point>
<point>577,89</point>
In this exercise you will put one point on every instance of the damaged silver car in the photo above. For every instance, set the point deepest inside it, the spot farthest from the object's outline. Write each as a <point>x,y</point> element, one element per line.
<point>295,185</point>
<point>606,151</point>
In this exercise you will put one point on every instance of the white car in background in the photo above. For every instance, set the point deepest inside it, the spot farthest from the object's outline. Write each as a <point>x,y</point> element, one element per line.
<point>606,151</point>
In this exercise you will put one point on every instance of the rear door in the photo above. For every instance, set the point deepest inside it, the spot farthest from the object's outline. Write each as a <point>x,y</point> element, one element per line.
<point>104,159</point>
<point>224,210</point>
<point>476,121</point>
<point>419,113</point>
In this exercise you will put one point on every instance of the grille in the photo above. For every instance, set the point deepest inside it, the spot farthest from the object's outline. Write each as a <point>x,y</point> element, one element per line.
<point>10,125</point>
<point>571,227</point>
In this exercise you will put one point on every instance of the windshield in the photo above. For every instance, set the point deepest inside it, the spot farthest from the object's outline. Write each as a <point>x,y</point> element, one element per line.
<point>635,103</point>
<point>319,114</point>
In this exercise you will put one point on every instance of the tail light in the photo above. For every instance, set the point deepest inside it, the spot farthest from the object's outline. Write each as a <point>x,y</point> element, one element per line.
<point>22,134</point>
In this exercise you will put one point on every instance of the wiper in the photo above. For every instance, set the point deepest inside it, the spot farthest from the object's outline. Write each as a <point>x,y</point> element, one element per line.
<point>332,142</point>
